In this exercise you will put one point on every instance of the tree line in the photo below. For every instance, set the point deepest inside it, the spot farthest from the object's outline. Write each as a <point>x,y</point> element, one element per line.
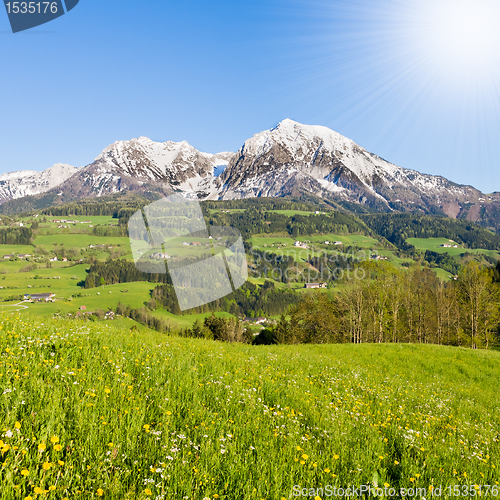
<point>118,271</point>
<point>392,305</point>
<point>249,300</point>
<point>15,236</point>
<point>397,228</point>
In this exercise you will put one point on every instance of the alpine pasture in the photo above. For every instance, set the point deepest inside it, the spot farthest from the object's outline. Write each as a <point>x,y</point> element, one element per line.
<point>89,410</point>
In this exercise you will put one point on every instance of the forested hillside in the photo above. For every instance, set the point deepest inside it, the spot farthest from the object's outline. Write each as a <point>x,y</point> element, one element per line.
<point>396,228</point>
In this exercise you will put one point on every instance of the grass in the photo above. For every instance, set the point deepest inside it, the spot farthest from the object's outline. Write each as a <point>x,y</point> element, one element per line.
<point>441,273</point>
<point>283,245</point>
<point>434,245</point>
<point>17,249</point>
<point>90,410</point>
<point>187,321</point>
<point>291,213</point>
<point>48,241</point>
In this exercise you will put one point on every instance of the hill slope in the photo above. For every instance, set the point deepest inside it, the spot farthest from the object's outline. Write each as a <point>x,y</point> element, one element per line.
<point>177,417</point>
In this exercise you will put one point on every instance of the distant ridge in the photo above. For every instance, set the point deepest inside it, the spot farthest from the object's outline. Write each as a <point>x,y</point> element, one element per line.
<point>287,160</point>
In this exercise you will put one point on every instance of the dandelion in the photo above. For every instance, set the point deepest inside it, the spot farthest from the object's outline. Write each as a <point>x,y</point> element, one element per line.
<point>100,492</point>
<point>52,488</point>
<point>107,391</point>
<point>57,447</point>
<point>54,439</point>
<point>336,457</point>
<point>42,447</point>
<point>148,492</point>
<point>17,425</point>
<point>46,466</point>
<point>39,491</point>
<point>305,457</point>
<point>25,472</point>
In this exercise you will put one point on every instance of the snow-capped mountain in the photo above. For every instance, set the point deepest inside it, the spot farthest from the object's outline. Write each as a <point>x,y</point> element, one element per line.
<point>138,163</point>
<point>15,185</point>
<point>293,157</point>
<point>290,159</point>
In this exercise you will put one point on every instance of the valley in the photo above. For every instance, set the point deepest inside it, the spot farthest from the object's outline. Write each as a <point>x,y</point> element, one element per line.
<point>277,233</point>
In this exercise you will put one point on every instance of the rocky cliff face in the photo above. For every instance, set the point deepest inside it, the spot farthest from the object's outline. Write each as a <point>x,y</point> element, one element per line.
<point>15,185</point>
<point>124,165</point>
<point>291,158</point>
<point>319,160</point>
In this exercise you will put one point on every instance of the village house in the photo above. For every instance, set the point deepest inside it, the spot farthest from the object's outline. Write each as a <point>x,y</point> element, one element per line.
<point>299,244</point>
<point>159,255</point>
<point>315,285</point>
<point>257,321</point>
<point>40,297</point>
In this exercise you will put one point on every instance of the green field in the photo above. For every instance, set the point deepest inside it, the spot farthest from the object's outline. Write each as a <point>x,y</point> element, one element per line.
<point>434,245</point>
<point>79,240</point>
<point>15,249</point>
<point>90,410</point>
<point>291,213</point>
<point>283,245</point>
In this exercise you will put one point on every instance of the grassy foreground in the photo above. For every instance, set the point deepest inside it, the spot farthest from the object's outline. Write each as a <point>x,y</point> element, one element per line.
<point>90,411</point>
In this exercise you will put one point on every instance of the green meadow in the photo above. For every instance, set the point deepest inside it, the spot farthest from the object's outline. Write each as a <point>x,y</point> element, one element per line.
<point>434,245</point>
<point>79,240</point>
<point>89,411</point>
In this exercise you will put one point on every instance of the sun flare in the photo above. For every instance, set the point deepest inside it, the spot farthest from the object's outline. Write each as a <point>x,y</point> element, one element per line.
<point>460,35</point>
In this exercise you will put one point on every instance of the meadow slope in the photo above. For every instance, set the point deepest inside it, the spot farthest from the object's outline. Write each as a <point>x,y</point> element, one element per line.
<point>92,411</point>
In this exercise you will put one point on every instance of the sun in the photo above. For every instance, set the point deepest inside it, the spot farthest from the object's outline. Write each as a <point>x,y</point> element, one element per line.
<point>458,36</point>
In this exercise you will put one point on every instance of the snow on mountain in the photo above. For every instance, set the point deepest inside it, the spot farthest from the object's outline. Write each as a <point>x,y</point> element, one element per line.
<point>142,162</point>
<point>293,156</point>
<point>289,159</point>
<point>15,185</point>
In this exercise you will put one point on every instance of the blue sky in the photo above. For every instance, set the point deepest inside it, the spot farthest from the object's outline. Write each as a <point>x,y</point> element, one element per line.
<point>215,73</point>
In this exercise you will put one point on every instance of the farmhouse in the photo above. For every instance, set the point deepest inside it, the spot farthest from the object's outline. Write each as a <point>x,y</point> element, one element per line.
<point>315,285</point>
<point>8,256</point>
<point>40,297</point>
<point>299,244</point>
<point>338,243</point>
<point>257,321</point>
<point>159,255</point>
